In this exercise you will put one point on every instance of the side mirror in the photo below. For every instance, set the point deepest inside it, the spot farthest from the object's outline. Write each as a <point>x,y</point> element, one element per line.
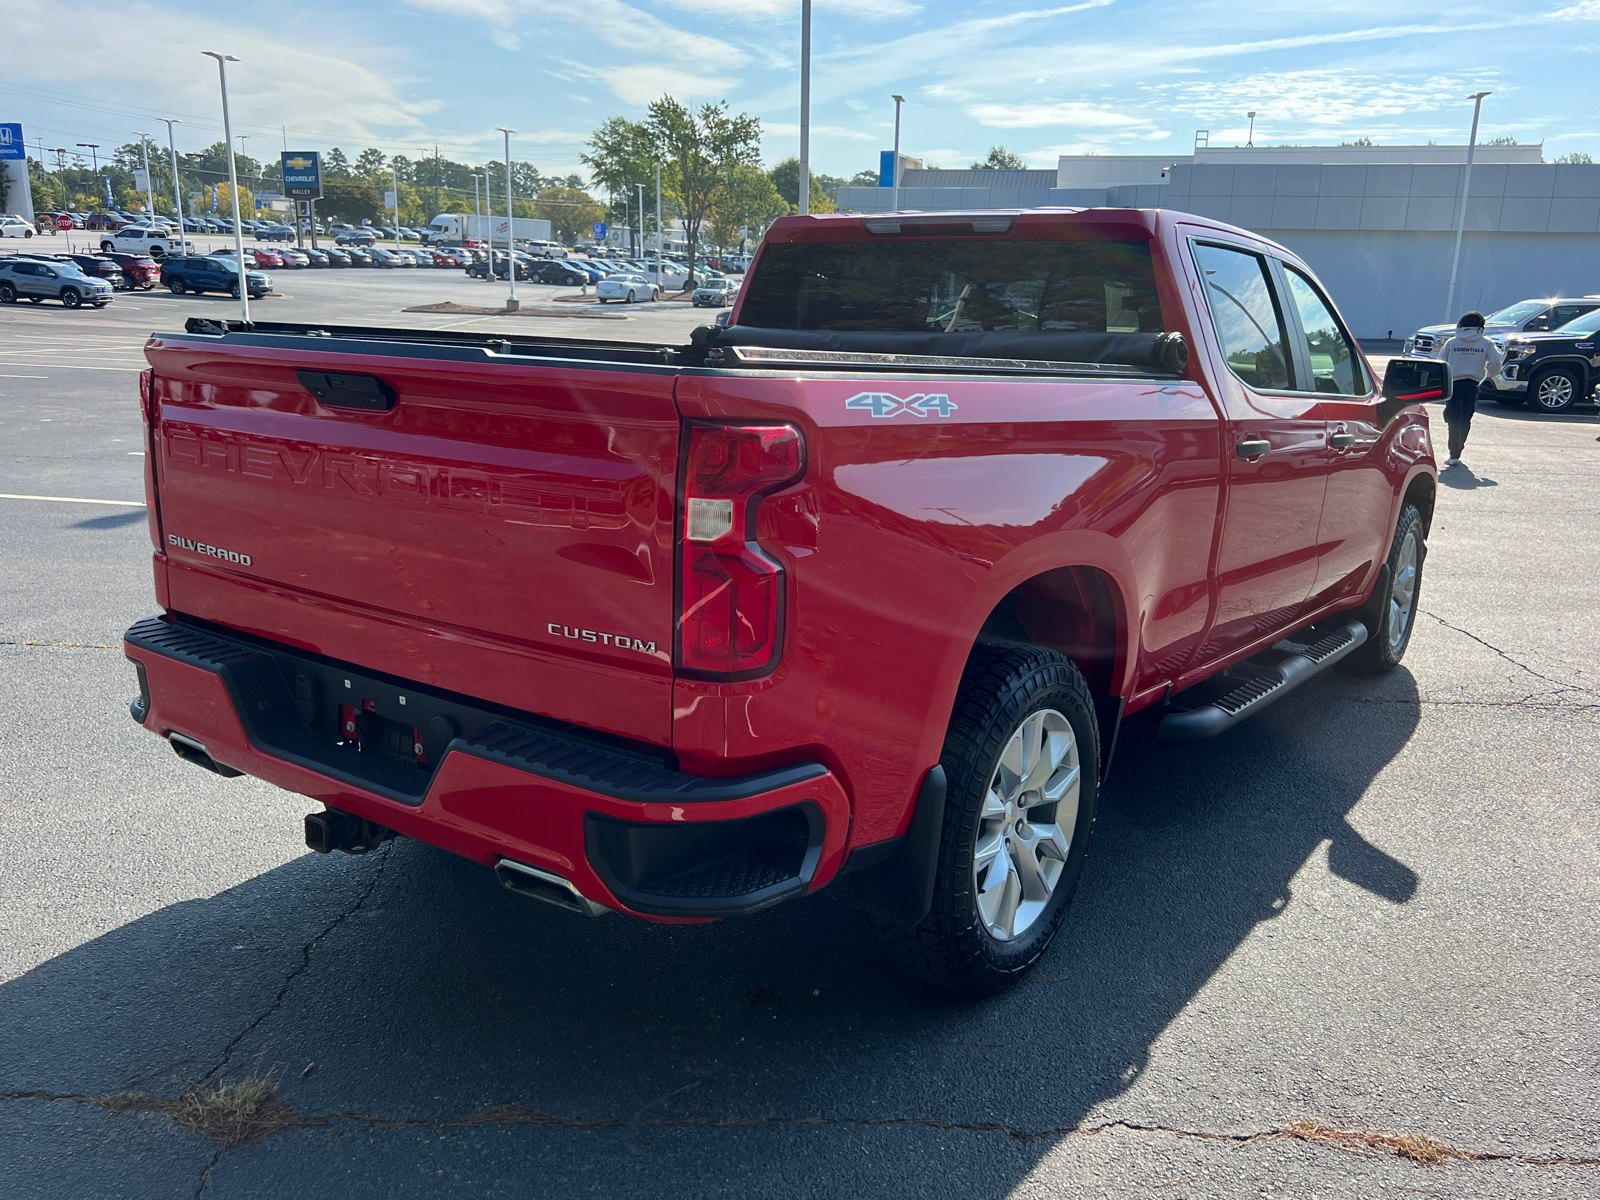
<point>1408,381</point>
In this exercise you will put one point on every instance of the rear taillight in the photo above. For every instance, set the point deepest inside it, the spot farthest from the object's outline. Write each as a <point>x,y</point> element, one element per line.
<point>732,594</point>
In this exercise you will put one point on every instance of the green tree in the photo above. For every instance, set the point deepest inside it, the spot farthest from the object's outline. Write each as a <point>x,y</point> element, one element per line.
<point>1577,156</point>
<point>351,200</point>
<point>335,164</point>
<point>999,159</point>
<point>369,162</point>
<point>702,150</point>
<point>747,199</point>
<point>864,179</point>
<point>1360,141</point>
<point>570,212</point>
<point>785,178</point>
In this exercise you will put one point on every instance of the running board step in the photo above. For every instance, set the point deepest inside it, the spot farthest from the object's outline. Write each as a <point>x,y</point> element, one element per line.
<point>1261,690</point>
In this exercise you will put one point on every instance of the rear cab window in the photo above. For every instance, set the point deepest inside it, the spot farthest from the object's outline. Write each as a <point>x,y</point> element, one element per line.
<point>948,285</point>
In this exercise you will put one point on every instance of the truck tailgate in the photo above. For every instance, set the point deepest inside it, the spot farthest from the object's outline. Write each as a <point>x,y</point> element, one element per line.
<point>494,525</point>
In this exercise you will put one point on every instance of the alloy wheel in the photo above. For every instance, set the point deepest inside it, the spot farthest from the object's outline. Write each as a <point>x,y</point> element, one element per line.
<point>1554,392</point>
<point>1030,808</point>
<point>1403,593</point>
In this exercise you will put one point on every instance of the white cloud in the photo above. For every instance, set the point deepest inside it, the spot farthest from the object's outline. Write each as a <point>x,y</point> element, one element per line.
<point>642,84</point>
<point>786,10</point>
<point>612,22</point>
<point>505,39</point>
<point>1034,116</point>
<point>342,89</point>
<point>1585,10</point>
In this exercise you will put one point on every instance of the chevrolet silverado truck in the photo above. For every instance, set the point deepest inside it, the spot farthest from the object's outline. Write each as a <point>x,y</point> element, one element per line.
<point>853,592</point>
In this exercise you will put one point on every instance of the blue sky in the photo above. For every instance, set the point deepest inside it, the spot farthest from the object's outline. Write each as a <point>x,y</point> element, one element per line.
<point>1111,76</point>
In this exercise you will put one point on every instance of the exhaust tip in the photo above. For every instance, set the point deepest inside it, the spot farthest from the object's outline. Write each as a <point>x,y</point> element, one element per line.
<point>195,752</point>
<point>543,885</point>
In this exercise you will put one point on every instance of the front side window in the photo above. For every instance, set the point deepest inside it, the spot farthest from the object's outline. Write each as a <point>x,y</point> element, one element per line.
<point>951,285</point>
<point>1335,366</point>
<point>1244,309</point>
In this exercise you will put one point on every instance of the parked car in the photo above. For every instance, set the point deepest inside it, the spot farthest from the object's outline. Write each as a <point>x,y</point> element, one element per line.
<point>196,273</point>
<point>360,256</point>
<point>314,257</point>
<point>249,256</point>
<point>140,270</point>
<point>447,257</point>
<point>1525,316</point>
<point>630,289</point>
<point>336,256</point>
<point>107,220</point>
<point>647,686</point>
<point>1552,371</point>
<point>715,293</point>
<point>356,237</point>
<point>382,256</point>
<point>15,227</point>
<point>274,233</point>
<point>292,258</point>
<point>267,258</point>
<point>34,280</point>
<point>557,271</point>
<point>98,266</point>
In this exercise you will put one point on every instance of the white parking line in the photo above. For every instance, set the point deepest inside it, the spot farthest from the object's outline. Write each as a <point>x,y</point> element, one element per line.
<point>76,500</point>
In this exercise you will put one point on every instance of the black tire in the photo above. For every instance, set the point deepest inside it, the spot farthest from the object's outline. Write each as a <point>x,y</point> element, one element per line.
<point>1391,614</point>
<point>177,287</point>
<point>953,947</point>
<point>1555,390</point>
<point>234,291</point>
<point>35,299</point>
<point>71,298</point>
<point>8,292</point>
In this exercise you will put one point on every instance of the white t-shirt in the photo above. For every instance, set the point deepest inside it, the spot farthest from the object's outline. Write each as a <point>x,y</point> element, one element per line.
<point>1471,355</point>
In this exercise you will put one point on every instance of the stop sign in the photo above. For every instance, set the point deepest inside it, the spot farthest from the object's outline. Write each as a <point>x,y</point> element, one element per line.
<point>63,222</point>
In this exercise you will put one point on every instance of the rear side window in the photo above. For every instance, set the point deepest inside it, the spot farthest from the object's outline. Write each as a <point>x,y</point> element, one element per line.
<point>1244,309</point>
<point>1335,366</point>
<point>949,285</point>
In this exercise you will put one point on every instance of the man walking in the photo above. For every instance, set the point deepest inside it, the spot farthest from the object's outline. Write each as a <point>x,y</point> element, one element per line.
<point>1472,358</point>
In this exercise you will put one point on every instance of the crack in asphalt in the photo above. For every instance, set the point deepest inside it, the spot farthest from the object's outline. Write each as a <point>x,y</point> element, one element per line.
<point>1420,1149</point>
<point>1561,684</point>
<point>305,965</point>
<point>67,645</point>
<point>205,1172</point>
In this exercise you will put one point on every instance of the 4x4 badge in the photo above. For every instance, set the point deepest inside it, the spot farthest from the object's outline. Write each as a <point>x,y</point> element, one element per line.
<point>882,404</point>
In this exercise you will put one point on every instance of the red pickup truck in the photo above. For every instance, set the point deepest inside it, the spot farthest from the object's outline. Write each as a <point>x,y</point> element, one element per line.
<point>852,592</point>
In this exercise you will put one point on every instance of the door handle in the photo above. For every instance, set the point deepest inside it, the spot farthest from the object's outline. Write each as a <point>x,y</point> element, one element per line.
<point>1342,441</point>
<point>1253,448</point>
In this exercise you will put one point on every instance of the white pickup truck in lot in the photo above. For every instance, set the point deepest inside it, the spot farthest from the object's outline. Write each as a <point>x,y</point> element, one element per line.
<point>153,240</point>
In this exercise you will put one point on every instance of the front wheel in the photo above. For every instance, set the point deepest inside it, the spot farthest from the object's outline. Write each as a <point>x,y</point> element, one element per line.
<point>234,291</point>
<point>71,299</point>
<point>1555,390</point>
<point>1022,762</point>
<point>1391,614</point>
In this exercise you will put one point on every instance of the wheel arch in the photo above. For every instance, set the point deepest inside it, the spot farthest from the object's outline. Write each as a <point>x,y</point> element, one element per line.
<point>1423,491</point>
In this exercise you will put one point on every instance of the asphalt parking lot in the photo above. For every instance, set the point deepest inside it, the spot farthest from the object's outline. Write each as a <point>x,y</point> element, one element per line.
<point>1349,950</point>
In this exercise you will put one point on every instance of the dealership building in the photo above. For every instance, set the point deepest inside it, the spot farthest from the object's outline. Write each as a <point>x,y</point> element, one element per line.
<point>1376,223</point>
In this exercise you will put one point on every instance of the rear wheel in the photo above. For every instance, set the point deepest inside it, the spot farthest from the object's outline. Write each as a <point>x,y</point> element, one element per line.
<point>1391,614</point>
<point>1021,758</point>
<point>1555,390</point>
<point>633,296</point>
<point>71,298</point>
<point>178,287</point>
<point>8,292</point>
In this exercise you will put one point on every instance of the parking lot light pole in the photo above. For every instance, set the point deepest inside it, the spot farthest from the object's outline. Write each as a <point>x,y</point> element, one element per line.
<point>511,262</point>
<point>233,182</point>
<point>394,180</point>
<point>177,194</point>
<point>1461,217</point>
<point>94,153</point>
<point>805,107</point>
<point>640,186</point>
<point>894,198</point>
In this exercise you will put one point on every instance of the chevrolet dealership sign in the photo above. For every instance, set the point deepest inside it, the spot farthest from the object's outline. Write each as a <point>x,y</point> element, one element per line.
<point>302,175</point>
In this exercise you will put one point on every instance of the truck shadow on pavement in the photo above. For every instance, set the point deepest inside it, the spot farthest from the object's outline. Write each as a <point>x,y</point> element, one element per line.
<point>423,992</point>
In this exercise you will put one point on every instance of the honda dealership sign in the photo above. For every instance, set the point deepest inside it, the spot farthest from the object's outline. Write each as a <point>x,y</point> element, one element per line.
<point>16,195</point>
